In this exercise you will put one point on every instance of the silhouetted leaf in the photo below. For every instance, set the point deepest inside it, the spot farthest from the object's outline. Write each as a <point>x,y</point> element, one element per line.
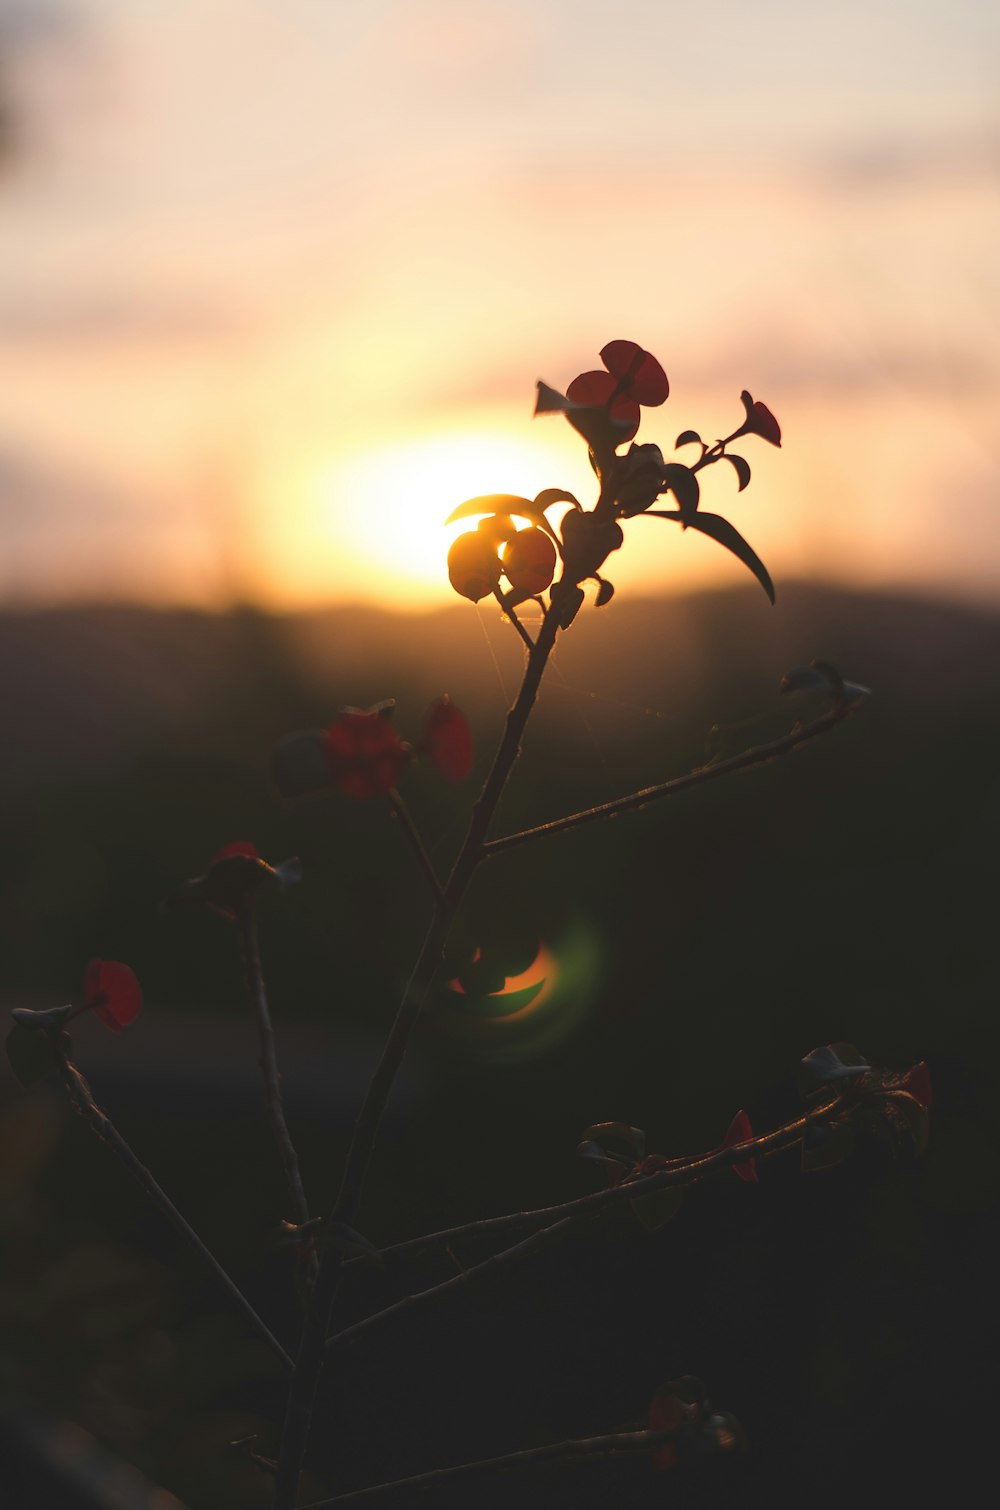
<point>616,1140</point>
<point>658,1208</point>
<point>299,764</point>
<point>834,1062</point>
<point>568,599</point>
<point>548,496</point>
<point>32,1052</point>
<point>494,503</point>
<point>742,468</point>
<point>687,438</point>
<point>605,592</point>
<point>820,676</point>
<point>684,485</point>
<point>721,530</point>
<point>551,401</point>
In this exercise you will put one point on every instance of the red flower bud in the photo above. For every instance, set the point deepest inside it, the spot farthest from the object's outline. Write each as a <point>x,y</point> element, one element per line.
<point>473,566</point>
<point>597,390</point>
<point>365,754</point>
<point>759,421</point>
<point>112,992</point>
<point>448,740</point>
<point>646,382</point>
<point>529,562</point>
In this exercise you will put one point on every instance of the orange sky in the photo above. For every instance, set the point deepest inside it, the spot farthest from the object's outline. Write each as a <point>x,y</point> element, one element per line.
<point>276,283</point>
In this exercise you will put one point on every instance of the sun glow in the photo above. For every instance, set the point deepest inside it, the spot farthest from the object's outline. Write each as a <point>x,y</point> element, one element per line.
<point>386,509</point>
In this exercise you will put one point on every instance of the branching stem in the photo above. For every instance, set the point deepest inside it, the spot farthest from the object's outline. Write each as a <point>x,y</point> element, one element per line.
<point>679,1172</point>
<point>298,1205</point>
<point>416,843</point>
<point>308,1366</point>
<point>82,1098</point>
<point>615,1444</point>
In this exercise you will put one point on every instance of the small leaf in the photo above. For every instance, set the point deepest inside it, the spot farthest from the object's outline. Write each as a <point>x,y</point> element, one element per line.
<point>551,401</point>
<point>299,766</point>
<point>684,485</point>
<point>834,1062</point>
<point>32,1054</point>
<point>548,496</point>
<point>658,1208</point>
<point>742,469</point>
<point>40,1019</point>
<point>605,592</point>
<point>687,438</point>
<point>494,503</point>
<point>825,1145</point>
<point>819,676</point>
<point>616,1139</point>
<point>568,600</point>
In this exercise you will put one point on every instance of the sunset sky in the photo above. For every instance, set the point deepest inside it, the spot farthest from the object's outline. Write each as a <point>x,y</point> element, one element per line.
<point>276,283</point>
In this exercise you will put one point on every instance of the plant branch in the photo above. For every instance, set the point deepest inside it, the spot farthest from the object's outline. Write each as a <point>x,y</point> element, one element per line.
<point>615,1444</point>
<point>402,812</point>
<point>755,756</point>
<point>268,1061</point>
<point>82,1098</point>
<point>510,614</point>
<point>309,1363</point>
<point>678,1172</point>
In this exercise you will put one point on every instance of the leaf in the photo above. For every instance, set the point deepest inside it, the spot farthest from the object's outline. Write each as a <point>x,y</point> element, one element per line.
<point>687,438</point>
<point>568,601</point>
<point>825,1146</point>
<point>819,676</point>
<point>742,468</point>
<point>548,496</point>
<point>609,1134</point>
<point>721,530</point>
<point>551,401</point>
<point>605,592</point>
<point>39,1018</point>
<point>299,764</point>
<point>494,503</point>
<point>32,1053</point>
<point>684,485</point>
<point>658,1208</point>
<point>833,1063</point>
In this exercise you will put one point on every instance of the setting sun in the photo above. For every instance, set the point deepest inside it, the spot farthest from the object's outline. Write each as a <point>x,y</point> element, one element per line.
<point>387,508</point>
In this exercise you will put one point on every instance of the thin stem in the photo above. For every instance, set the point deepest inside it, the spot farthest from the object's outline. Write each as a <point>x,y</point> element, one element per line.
<point>755,756</point>
<point>82,1098</point>
<point>510,614</point>
<point>614,1444</point>
<point>305,1378</point>
<point>268,1061</point>
<point>409,828</point>
<point>680,1172</point>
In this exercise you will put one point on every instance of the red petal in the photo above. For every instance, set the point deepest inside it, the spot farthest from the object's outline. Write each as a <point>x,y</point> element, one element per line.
<point>741,1131</point>
<point>238,847</point>
<point>764,424</point>
<point>918,1084</point>
<point>592,388</point>
<point>115,992</point>
<point>365,754</point>
<point>473,566</point>
<point>529,562</point>
<point>448,740</point>
<point>645,380</point>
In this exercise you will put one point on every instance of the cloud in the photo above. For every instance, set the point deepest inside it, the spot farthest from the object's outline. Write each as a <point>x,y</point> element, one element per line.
<point>108,317</point>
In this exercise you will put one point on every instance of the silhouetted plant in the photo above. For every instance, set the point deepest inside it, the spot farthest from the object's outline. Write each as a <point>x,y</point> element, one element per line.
<point>543,550</point>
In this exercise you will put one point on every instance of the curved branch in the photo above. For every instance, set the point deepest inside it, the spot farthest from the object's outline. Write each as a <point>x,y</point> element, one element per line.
<point>755,756</point>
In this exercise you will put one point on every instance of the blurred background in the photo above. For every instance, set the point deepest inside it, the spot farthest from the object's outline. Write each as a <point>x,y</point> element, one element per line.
<point>275,287</point>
